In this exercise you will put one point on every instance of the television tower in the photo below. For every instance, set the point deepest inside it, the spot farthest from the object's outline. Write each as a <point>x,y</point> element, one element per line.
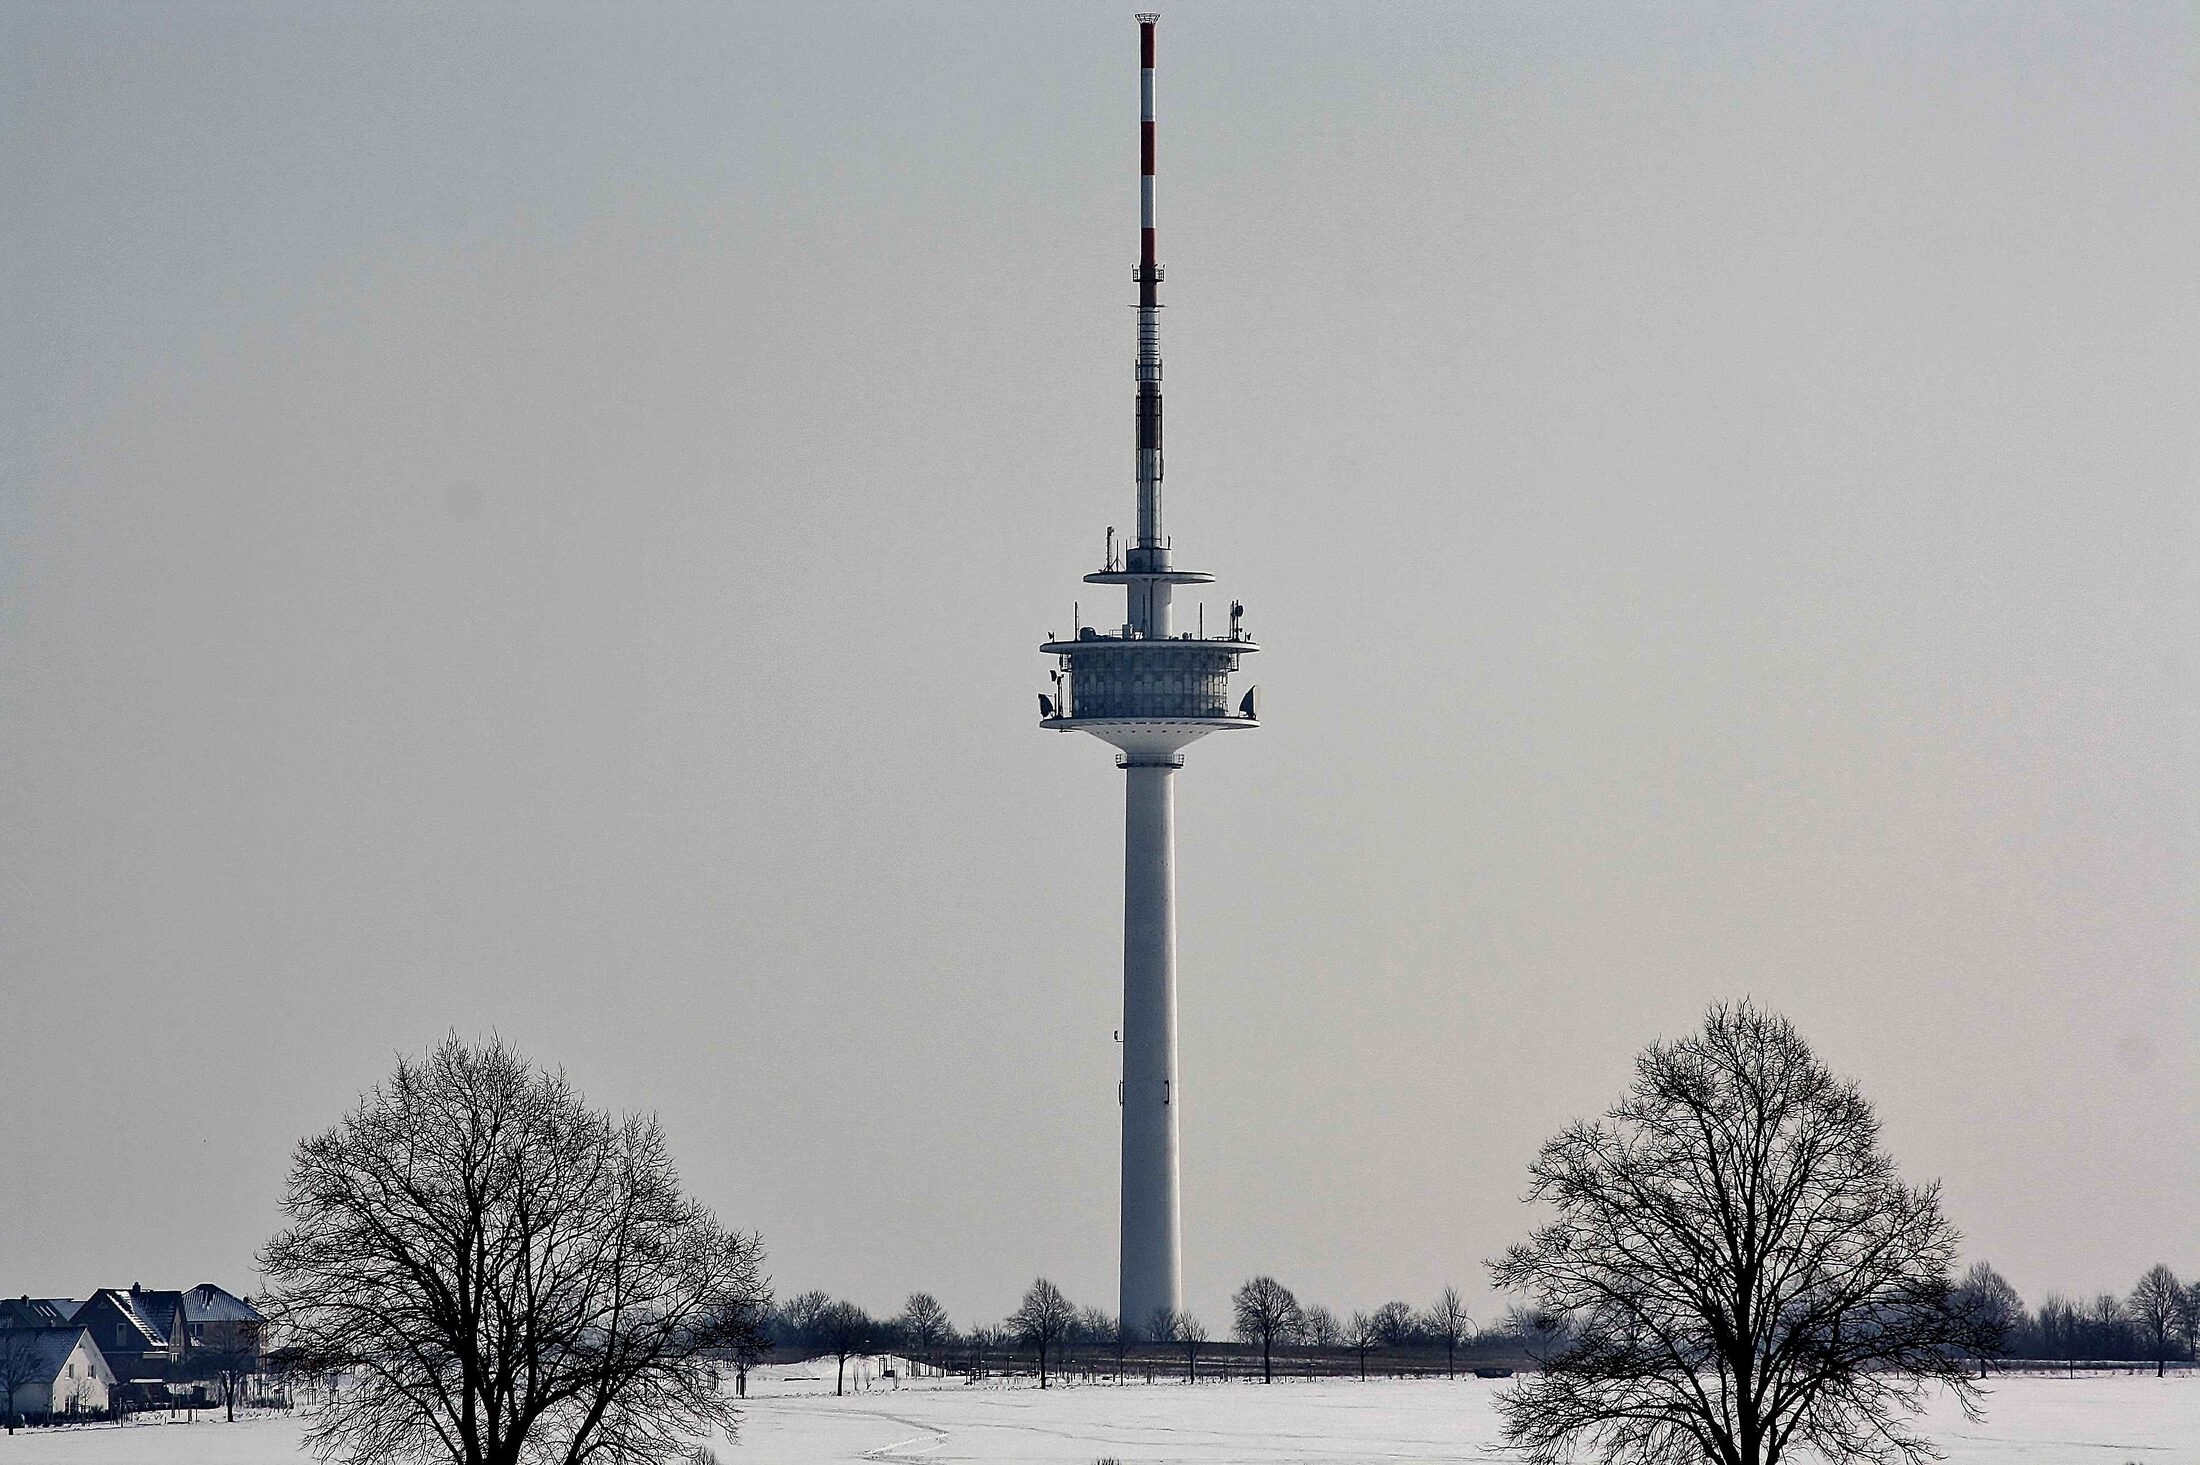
<point>1149,690</point>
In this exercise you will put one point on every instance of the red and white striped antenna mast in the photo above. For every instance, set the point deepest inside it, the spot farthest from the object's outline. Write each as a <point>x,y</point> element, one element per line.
<point>1150,550</point>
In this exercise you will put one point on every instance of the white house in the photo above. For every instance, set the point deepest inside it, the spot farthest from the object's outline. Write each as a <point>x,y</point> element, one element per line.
<point>68,1374</point>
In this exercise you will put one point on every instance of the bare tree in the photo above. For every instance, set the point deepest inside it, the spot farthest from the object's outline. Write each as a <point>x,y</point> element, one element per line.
<point>508,1275</point>
<point>2104,1328</point>
<point>81,1393</point>
<point>2157,1305</point>
<point>1187,1332</point>
<point>22,1353</point>
<point>2188,1319</point>
<point>1362,1337</point>
<point>1748,1277</point>
<point>2060,1330</point>
<point>844,1330</point>
<point>747,1339</point>
<point>924,1323</point>
<point>1447,1322</point>
<point>1541,1333</point>
<point>982,1338</point>
<point>1043,1320</point>
<point>1096,1328</point>
<point>1395,1324</point>
<point>1191,1336</point>
<point>1318,1326</point>
<point>1267,1314</point>
<point>1993,1307</point>
<point>797,1316</point>
<point>229,1365</point>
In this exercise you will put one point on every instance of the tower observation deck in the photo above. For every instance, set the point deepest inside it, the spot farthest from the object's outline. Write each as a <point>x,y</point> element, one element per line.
<point>1149,690</point>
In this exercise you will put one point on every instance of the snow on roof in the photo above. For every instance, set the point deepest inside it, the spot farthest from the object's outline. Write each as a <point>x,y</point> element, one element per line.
<point>141,1308</point>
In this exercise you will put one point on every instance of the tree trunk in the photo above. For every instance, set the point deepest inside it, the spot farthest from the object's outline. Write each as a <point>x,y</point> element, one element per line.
<point>840,1380</point>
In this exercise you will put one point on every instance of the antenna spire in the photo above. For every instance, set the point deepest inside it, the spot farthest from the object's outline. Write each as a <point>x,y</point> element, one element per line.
<point>1150,552</point>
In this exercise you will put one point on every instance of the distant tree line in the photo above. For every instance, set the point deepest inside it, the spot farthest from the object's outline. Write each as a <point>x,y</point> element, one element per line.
<point>1268,1331</point>
<point>2157,1322</point>
<point>1269,1328</point>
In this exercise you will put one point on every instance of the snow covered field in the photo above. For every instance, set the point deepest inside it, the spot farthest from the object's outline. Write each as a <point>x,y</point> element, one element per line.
<point>793,1419</point>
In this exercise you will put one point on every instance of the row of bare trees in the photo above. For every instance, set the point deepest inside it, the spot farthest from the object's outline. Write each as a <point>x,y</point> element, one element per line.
<point>1044,1323</point>
<point>2158,1322</point>
<point>1394,1326</point>
<point>1266,1317</point>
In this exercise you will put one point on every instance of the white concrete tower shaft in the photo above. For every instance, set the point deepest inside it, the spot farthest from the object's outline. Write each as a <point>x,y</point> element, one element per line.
<point>1150,691</point>
<point>1152,1259</point>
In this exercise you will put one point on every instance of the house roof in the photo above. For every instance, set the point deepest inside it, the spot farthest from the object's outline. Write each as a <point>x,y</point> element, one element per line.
<point>150,1312</point>
<point>50,1348</point>
<point>159,1309</point>
<point>207,1303</point>
<point>36,1312</point>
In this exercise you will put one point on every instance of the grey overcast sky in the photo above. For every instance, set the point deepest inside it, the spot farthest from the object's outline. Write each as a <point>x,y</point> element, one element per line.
<point>539,521</point>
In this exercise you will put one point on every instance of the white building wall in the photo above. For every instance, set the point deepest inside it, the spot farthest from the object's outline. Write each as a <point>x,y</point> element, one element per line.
<point>88,1389</point>
<point>84,1381</point>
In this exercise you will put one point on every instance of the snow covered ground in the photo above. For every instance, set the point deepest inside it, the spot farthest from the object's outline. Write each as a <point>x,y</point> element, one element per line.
<point>793,1419</point>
